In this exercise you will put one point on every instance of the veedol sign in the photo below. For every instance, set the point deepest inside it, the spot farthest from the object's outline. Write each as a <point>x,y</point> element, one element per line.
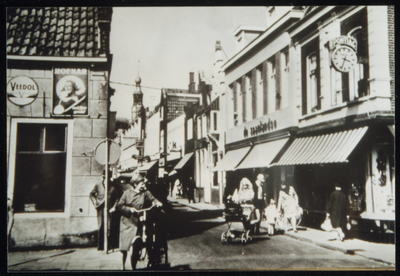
<point>22,90</point>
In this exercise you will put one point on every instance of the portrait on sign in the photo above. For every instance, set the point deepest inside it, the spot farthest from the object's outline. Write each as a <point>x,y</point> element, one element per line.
<point>70,91</point>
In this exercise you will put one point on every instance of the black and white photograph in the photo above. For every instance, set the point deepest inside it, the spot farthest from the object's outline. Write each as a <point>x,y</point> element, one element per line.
<point>200,138</point>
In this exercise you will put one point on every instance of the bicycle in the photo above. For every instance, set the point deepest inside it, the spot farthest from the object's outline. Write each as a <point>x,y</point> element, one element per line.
<point>153,252</point>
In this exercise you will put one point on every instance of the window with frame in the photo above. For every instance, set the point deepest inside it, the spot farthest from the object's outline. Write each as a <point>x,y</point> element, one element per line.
<point>249,97</point>
<point>205,124</point>
<point>284,78</point>
<point>272,95</point>
<point>189,129</point>
<point>215,121</point>
<point>40,168</point>
<point>199,128</point>
<point>240,101</point>
<point>260,92</point>
<point>354,84</point>
<point>311,100</point>
<point>215,174</point>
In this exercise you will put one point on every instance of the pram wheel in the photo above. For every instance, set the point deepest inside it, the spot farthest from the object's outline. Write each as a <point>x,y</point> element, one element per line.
<point>248,236</point>
<point>243,238</point>
<point>224,238</point>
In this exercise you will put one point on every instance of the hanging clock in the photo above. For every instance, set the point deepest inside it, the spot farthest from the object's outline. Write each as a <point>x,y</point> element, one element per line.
<point>344,58</point>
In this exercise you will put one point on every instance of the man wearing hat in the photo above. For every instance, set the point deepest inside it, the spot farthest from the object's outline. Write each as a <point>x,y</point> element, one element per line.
<point>97,198</point>
<point>259,202</point>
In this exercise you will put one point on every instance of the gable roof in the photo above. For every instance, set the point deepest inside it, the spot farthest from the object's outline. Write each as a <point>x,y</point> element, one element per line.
<point>56,31</point>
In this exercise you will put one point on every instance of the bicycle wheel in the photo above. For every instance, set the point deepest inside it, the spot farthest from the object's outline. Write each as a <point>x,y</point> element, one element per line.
<point>139,255</point>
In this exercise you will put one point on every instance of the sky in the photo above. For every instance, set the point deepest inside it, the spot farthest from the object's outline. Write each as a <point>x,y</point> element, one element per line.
<point>164,44</point>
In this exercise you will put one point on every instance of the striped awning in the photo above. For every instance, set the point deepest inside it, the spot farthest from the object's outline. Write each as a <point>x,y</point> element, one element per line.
<point>262,154</point>
<point>329,148</point>
<point>231,159</point>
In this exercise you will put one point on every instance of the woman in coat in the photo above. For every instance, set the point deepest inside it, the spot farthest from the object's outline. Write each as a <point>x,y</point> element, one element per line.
<point>336,210</point>
<point>139,198</point>
<point>288,202</point>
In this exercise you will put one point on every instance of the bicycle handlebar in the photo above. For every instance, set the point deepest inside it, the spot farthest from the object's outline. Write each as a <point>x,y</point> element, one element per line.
<point>142,210</point>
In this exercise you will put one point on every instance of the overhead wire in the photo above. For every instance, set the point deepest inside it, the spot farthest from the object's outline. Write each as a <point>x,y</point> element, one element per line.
<point>128,84</point>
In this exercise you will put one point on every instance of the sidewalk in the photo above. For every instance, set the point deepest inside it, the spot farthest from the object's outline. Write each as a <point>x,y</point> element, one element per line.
<point>375,251</point>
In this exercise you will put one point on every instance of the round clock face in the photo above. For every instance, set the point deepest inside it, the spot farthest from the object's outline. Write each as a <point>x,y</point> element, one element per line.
<point>344,58</point>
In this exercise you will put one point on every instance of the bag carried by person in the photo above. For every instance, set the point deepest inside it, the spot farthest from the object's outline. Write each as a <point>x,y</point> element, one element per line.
<point>327,225</point>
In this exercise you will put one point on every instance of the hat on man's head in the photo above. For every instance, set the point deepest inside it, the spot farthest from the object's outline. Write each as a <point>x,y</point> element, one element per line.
<point>136,178</point>
<point>261,177</point>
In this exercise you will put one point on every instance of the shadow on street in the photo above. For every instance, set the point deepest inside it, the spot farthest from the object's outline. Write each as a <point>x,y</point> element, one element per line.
<point>184,222</point>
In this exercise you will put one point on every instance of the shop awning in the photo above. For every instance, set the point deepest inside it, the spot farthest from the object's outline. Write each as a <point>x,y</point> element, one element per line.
<point>262,154</point>
<point>183,161</point>
<point>232,159</point>
<point>147,166</point>
<point>329,148</point>
<point>391,128</point>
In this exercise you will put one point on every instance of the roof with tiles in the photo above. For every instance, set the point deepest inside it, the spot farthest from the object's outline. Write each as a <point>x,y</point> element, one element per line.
<point>56,31</point>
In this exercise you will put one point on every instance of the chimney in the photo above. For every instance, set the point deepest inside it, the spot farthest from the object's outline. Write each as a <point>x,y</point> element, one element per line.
<point>191,83</point>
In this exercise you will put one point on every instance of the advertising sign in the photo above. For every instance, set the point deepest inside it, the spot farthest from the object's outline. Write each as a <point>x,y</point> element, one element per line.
<point>22,90</point>
<point>70,91</point>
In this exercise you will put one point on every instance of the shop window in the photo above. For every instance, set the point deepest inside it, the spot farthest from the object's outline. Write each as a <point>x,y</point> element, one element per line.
<point>40,168</point>
<point>311,101</point>
<point>284,79</point>
<point>272,95</point>
<point>354,84</point>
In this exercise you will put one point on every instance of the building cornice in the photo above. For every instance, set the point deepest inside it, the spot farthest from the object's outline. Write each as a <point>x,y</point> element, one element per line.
<point>58,59</point>
<point>282,22</point>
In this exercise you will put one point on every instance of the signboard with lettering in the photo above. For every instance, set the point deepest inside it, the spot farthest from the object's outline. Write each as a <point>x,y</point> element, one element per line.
<point>22,90</point>
<point>262,126</point>
<point>70,92</point>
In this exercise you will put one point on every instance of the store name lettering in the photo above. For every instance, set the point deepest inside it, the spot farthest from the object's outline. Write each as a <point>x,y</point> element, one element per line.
<point>17,86</point>
<point>260,128</point>
<point>70,71</point>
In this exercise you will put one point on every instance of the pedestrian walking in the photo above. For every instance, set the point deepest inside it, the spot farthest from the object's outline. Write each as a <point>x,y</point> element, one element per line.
<point>258,201</point>
<point>177,191</point>
<point>97,197</point>
<point>245,193</point>
<point>139,198</point>
<point>190,189</point>
<point>271,213</point>
<point>336,210</point>
<point>288,202</point>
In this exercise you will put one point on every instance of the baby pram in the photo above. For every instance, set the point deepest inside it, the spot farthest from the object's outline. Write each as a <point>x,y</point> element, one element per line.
<point>238,213</point>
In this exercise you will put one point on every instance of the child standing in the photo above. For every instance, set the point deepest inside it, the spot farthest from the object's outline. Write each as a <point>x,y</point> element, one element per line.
<point>271,214</point>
